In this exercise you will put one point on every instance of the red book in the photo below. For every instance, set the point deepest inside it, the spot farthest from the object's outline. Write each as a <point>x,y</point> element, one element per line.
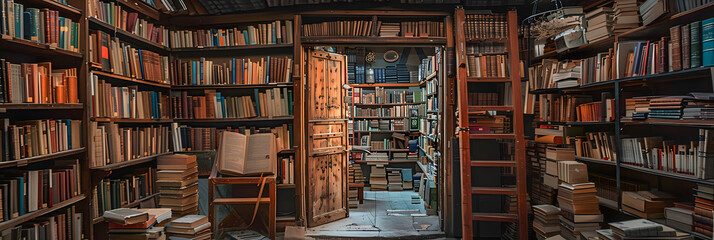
<point>141,225</point>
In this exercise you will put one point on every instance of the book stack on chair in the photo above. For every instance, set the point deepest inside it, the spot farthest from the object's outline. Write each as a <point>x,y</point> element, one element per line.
<point>130,224</point>
<point>640,229</point>
<point>546,222</point>
<point>177,179</point>
<point>193,227</point>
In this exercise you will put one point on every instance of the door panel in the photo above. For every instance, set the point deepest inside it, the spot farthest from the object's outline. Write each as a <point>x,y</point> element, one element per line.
<point>326,184</point>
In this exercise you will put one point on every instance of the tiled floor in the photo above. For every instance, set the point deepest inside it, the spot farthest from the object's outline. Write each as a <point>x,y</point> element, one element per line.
<point>371,220</point>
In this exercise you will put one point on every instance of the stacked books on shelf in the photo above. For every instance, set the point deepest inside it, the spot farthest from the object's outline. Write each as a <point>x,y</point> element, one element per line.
<point>65,224</point>
<point>703,208</point>
<point>651,10</point>
<point>485,26</point>
<point>692,106</point>
<point>680,217</point>
<point>389,29</point>
<point>554,156</point>
<point>37,83</point>
<point>177,181</point>
<point>646,204</point>
<point>232,71</point>
<point>380,125</point>
<point>122,59</point>
<point>596,145</point>
<point>627,16</point>
<point>356,65</point>
<point>421,29</point>
<point>640,228</point>
<point>579,209</point>
<point>277,32</point>
<point>194,227</point>
<point>39,25</point>
<point>271,102</point>
<point>599,24</point>
<point>382,96</point>
<point>546,221</point>
<point>690,158</point>
<point>113,14</point>
<point>378,178</point>
<point>118,192</point>
<point>125,223</point>
<point>24,192</point>
<point>206,139</point>
<point>111,144</point>
<point>111,101</point>
<point>394,179</point>
<point>31,138</point>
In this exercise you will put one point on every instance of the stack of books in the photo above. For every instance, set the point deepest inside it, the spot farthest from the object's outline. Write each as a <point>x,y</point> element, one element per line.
<point>653,9</point>
<point>378,178</point>
<point>626,15</point>
<point>130,224</point>
<point>640,229</point>
<point>194,227</point>
<point>580,211</point>
<point>546,222</point>
<point>703,207</point>
<point>680,216</point>
<point>647,204</point>
<point>394,178</point>
<point>600,23</point>
<point>568,74</point>
<point>638,107</point>
<point>669,107</point>
<point>553,156</point>
<point>389,29</point>
<point>178,183</point>
<point>407,183</point>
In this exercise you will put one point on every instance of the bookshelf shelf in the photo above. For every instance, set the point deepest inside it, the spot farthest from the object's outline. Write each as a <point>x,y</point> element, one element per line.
<point>41,158</point>
<point>217,120</point>
<point>373,40</point>
<point>424,170</point>
<point>492,136</point>
<point>385,161</point>
<point>607,203</point>
<point>286,186</point>
<point>656,28</point>
<point>53,5</point>
<point>594,160</point>
<point>487,79</point>
<point>23,46</point>
<point>376,117</point>
<point>130,120</point>
<point>141,7</point>
<point>232,48</point>
<point>30,216</point>
<point>130,205</point>
<point>544,56</point>
<point>668,174</point>
<point>672,122</point>
<point>490,108</point>
<point>129,79</point>
<point>397,85</point>
<point>385,104</point>
<point>41,106</point>
<point>136,161</point>
<point>285,151</point>
<point>492,40</point>
<point>232,86</point>
<point>384,131</point>
<point>133,39</point>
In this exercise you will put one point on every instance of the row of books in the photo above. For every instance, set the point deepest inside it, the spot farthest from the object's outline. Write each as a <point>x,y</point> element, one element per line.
<point>485,26</point>
<point>66,224</point>
<point>117,192</point>
<point>356,73</point>
<point>38,25</point>
<point>277,32</point>
<point>338,28</point>
<point>485,48</point>
<point>286,170</point>
<point>418,29</point>
<point>556,108</point>
<point>113,14</point>
<point>691,158</point>
<point>122,59</point>
<point>110,143</point>
<point>364,28</point>
<point>126,102</point>
<point>641,228</point>
<point>233,71</point>
<point>483,122</point>
<point>484,99</point>
<point>691,106</point>
<point>23,192</point>
<point>487,65</point>
<point>177,179</point>
<point>393,111</point>
<point>272,102</point>
<point>596,145</point>
<point>430,65</point>
<point>380,125</point>
<point>37,83</point>
<point>30,138</point>
<point>382,96</point>
<point>596,111</point>
<point>189,138</point>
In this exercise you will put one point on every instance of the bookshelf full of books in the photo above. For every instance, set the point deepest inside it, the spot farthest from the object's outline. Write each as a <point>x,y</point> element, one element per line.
<point>633,102</point>
<point>42,122</point>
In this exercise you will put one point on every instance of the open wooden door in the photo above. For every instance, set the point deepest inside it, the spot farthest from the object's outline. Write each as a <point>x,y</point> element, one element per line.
<point>326,172</point>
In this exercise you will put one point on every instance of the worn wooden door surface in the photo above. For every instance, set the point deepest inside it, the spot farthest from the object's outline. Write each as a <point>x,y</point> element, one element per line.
<point>326,185</point>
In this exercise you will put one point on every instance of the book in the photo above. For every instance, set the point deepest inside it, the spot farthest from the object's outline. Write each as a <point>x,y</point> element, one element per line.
<point>276,32</point>
<point>239,154</point>
<point>232,71</point>
<point>42,26</point>
<point>125,216</point>
<point>485,26</point>
<point>190,221</point>
<point>130,21</point>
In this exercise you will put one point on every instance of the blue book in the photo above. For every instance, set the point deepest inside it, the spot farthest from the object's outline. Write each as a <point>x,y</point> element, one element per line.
<point>233,74</point>
<point>223,107</point>
<point>19,23</point>
<point>218,100</point>
<point>247,39</point>
<point>267,71</point>
<point>69,133</point>
<point>21,197</point>
<point>141,66</point>
<point>708,42</point>
<point>193,70</point>
<point>275,35</point>
<point>155,104</point>
<point>257,102</point>
<point>214,33</point>
<point>61,23</point>
<point>27,21</point>
<point>290,102</point>
<point>201,81</point>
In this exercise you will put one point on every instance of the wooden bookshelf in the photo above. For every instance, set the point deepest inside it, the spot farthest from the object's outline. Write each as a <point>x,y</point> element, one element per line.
<point>134,40</point>
<point>52,54</point>
<point>54,5</point>
<point>115,77</point>
<point>41,106</point>
<point>130,120</point>
<point>374,40</point>
<point>141,8</point>
<point>32,215</point>
<point>385,104</point>
<point>25,161</point>
<point>228,120</point>
<point>230,86</point>
<point>237,49</point>
<point>132,162</point>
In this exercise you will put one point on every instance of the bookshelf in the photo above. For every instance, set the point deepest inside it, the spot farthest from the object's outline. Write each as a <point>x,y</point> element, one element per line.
<point>623,128</point>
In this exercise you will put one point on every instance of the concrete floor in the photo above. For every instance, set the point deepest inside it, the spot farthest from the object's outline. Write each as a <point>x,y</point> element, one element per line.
<point>371,220</point>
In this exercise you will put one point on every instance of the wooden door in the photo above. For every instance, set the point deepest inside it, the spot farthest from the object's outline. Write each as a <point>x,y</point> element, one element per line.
<point>326,172</point>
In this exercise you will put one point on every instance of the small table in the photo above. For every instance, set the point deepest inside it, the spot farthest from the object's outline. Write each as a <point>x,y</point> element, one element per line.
<point>360,191</point>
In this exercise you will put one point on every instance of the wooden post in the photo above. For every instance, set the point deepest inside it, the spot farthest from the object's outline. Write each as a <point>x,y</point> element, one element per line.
<point>463,123</point>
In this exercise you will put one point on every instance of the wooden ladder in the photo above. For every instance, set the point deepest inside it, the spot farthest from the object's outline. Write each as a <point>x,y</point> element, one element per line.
<point>517,135</point>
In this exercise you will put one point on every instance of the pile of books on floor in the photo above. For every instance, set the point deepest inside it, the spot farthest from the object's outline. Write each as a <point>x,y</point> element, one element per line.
<point>600,23</point>
<point>680,216</point>
<point>130,224</point>
<point>194,227</point>
<point>627,15</point>
<point>703,207</point>
<point>177,180</point>
<point>378,178</point>
<point>355,173</point>
<point>407,183</point>
<point>394,178</point>
<point>580,211</point>
<point>546,221</point>
<point>640,229</point>
<point>646,204</point>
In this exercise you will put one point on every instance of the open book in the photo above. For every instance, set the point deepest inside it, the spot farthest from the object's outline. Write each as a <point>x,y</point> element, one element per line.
<point>239,154</point>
